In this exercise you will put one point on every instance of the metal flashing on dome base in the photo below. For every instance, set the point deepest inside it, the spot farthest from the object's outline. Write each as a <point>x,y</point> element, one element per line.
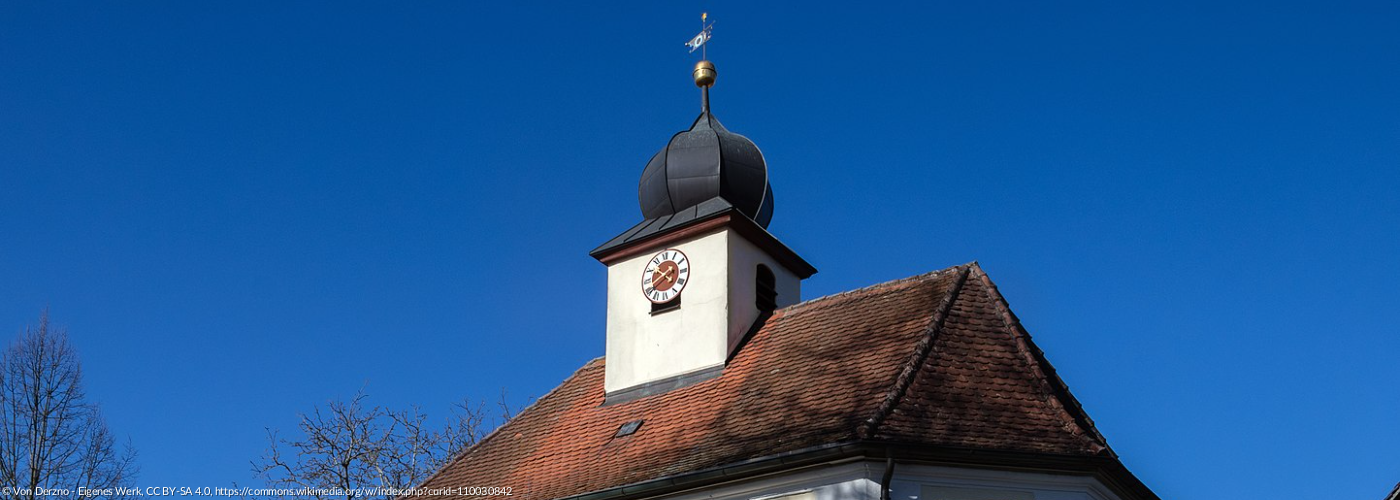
<point>657,225</point>
<point>713,215</point>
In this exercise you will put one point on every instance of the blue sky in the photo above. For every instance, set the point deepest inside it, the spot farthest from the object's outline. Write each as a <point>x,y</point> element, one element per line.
<point>243,209</point>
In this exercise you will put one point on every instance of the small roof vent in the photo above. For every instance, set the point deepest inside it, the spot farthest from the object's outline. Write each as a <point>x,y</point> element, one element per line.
<point>628,428</point>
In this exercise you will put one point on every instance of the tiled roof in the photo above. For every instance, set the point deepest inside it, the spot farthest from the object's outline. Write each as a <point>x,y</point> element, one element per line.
<point>932,361</point>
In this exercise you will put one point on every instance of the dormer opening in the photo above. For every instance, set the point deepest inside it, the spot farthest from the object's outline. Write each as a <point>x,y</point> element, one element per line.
<point>765,289</point>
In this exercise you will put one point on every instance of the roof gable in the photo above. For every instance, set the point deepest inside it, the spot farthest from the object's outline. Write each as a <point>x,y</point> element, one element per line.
<point>984,384</point>
<point>936,360</point>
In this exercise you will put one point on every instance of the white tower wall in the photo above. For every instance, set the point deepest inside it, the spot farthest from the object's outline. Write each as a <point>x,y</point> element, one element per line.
<point>717,309</point>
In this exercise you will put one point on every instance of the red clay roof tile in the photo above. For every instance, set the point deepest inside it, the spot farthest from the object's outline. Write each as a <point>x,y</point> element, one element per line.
<point>935,359</point>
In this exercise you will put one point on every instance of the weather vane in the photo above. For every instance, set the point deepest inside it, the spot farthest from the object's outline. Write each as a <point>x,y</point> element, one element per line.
<point>700,39</point>
<point>704,72</point>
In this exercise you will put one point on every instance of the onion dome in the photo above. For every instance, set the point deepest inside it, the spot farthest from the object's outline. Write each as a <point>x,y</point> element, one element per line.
<point>704,163</point>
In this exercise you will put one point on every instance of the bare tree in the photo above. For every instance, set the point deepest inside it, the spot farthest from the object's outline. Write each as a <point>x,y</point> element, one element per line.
<point>53,441</point>
<point>352,451</point>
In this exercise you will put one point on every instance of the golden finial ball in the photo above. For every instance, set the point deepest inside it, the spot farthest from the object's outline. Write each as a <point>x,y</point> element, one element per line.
<point>704,74</point>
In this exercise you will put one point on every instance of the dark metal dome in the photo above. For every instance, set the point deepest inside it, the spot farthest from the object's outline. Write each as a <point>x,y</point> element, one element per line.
<point>703,163</point>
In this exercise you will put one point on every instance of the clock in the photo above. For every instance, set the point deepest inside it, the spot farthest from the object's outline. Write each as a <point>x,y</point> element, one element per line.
<point>665,276</point>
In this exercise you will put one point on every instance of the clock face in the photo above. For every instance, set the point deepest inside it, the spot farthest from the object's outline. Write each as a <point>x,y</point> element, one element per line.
<point>665,276</point>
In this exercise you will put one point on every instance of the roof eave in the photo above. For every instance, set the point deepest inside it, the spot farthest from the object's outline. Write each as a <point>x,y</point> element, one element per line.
<point>1106,469</point>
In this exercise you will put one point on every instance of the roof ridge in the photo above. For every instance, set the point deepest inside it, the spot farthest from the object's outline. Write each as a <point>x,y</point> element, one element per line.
<point>501,428</point>
<point>910,369</point>
<point>864,289</point>
<point>1050,381</point>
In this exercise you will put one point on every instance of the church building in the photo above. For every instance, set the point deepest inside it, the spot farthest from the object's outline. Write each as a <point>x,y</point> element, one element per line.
<point>719,381</point>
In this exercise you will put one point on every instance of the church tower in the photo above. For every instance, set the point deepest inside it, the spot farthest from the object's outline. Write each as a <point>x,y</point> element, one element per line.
<point>690,282</point>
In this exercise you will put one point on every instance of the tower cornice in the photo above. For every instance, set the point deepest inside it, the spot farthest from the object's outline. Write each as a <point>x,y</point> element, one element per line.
<point>639,241</point>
